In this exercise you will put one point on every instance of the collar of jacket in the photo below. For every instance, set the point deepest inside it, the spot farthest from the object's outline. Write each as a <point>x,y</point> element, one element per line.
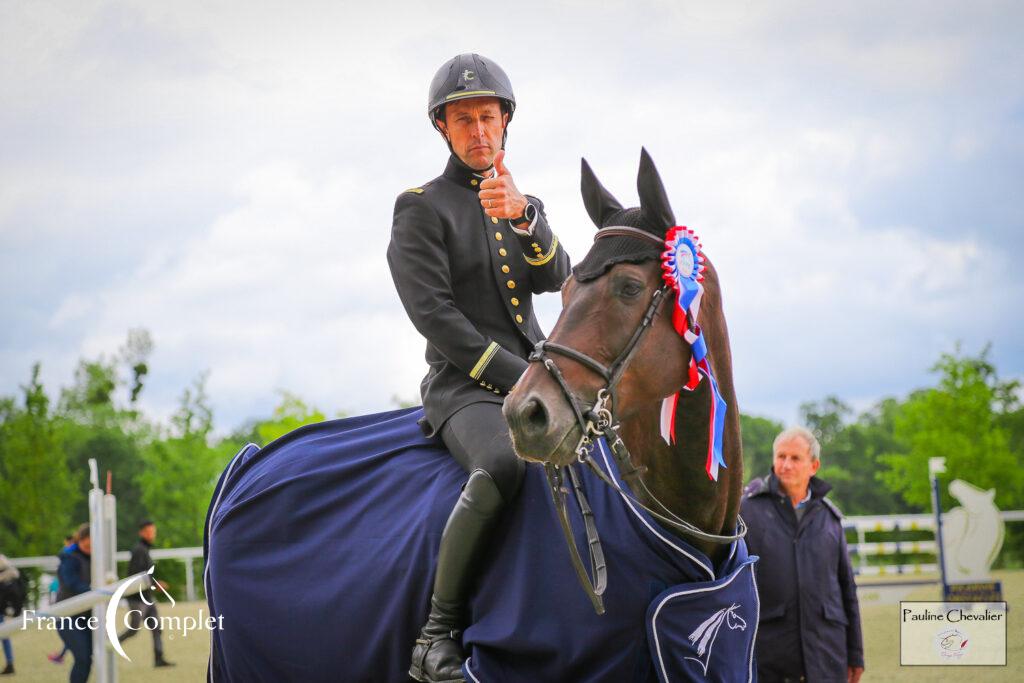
<point>145,542</point>
<point>819,487</point>
<point>72,549</point>
<point>461,174</point>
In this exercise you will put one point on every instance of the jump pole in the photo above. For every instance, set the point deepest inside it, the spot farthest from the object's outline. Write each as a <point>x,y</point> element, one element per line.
<point>103,531</point>
<point>937,466</point>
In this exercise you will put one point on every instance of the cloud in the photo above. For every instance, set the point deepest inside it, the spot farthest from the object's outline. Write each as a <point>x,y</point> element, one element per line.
<point>226,179</point>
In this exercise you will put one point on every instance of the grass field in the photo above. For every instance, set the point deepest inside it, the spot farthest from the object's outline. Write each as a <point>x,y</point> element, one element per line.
<point>880,623</point>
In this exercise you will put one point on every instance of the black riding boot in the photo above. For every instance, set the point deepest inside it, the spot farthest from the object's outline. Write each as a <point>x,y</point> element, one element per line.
<point>437,656</point>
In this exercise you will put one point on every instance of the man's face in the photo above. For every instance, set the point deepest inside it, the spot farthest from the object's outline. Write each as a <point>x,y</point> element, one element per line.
<point>148,532</point>
<point>474,128</point>
<point>85,545</point>
<point>794,465</point>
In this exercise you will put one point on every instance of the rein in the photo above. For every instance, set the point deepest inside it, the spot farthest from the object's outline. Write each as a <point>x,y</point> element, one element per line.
<point>598,422</point>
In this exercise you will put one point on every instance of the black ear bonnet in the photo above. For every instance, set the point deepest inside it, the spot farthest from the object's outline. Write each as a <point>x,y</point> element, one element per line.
<point>654,215</point>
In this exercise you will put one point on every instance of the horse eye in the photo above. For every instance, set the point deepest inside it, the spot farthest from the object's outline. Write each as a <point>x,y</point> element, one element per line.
<point>631,289</point>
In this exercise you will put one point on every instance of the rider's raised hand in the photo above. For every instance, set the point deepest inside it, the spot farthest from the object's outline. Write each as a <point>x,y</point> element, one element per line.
<point>499,163</point>
<point>499,195</point>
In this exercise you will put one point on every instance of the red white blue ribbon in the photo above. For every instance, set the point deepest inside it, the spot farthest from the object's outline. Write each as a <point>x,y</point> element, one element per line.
<point>682,265</point>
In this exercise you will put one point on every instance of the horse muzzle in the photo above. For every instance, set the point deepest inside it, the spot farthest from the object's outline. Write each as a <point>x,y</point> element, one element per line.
<point>542,428</point>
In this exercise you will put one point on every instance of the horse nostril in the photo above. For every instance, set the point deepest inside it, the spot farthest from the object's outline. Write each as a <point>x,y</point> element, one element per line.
<point>536,416</point>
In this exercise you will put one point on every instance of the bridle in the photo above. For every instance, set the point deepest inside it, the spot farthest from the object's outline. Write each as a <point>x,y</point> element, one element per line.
<point>597,422</point>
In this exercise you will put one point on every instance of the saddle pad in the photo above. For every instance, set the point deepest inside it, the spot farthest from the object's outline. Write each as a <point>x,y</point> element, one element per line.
<point>705,631</point>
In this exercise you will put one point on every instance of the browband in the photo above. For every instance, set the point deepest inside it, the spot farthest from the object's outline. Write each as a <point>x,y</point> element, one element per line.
<point>626,231</point>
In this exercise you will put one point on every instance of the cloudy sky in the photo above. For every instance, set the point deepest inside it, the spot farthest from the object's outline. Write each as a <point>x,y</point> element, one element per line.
<point>223,174</point>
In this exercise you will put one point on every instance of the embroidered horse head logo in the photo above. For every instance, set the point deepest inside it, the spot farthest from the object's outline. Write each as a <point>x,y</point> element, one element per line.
<point>704,635</point>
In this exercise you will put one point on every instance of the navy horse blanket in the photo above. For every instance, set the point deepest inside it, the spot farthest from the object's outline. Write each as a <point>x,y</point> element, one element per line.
<point>320,551</point>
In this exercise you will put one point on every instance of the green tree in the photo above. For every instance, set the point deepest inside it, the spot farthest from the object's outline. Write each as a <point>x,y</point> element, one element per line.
<point>94,424</point>
<point>850,453</point>
<point>135,353</point>
<point>181,470</point>
<point>290,414</point>
<point>37,492</point>
<point>826,418</point>
<point>758,435</point>
<point>963,419</point>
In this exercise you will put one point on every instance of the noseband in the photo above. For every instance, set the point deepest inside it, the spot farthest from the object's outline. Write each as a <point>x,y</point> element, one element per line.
<point>597,422</point>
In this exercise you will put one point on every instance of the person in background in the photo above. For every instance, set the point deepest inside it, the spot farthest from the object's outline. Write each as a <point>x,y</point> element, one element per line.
<point>139,609</point>
<point>809,625</point>
<point>75,575</point>
<point>58,657</point>
<point>9,577</point>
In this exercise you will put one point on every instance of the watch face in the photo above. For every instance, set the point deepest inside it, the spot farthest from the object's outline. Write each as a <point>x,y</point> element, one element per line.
<point>528,213</point>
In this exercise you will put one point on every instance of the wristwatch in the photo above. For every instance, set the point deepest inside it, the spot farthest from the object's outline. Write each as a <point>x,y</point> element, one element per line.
<point>529,215</point>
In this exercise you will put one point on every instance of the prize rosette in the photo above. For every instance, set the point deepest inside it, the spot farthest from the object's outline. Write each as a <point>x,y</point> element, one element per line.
<point>682,265</point>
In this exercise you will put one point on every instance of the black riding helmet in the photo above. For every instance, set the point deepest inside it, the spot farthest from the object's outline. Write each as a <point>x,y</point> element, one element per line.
<point>465,76</point>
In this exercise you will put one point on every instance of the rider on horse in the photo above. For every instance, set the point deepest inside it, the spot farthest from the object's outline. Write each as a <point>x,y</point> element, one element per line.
<point>467,253</point>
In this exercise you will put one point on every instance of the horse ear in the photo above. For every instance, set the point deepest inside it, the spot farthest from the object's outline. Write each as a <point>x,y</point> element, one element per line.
<point>654,204</point>
<point>599,202</point>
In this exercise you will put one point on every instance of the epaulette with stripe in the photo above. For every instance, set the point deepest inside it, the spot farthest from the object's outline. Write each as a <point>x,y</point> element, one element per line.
<point>755,487</point>
<point>833,507</point>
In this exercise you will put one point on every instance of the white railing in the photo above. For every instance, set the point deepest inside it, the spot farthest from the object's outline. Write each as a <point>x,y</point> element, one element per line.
<point>861,550</point>
<point>48,563</point>
<point>865,524</point>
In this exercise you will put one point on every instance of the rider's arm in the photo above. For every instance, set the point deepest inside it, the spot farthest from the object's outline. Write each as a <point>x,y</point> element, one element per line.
<point>549,262</point>
<point>418,259</point>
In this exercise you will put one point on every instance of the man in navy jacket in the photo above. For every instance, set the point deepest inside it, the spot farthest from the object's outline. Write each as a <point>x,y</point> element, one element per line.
<point>809,626</point>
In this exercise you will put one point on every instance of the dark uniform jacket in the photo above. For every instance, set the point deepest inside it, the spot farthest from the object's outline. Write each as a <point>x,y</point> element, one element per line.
<point>467,282</point>
<point>810,618</point>
<point>140,561</point>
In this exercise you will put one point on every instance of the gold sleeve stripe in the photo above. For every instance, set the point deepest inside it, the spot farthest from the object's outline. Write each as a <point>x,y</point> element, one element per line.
<point>541,260</point>
<point>417,190</point>
<point>468,93</point>
<point>485,358</point>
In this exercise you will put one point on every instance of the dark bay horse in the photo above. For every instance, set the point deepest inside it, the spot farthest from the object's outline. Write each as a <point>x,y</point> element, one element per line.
<point>598,319</point>
<point>320,546</point>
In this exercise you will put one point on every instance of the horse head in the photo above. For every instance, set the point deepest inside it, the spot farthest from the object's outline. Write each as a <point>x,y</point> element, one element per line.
<point>618,348</point>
